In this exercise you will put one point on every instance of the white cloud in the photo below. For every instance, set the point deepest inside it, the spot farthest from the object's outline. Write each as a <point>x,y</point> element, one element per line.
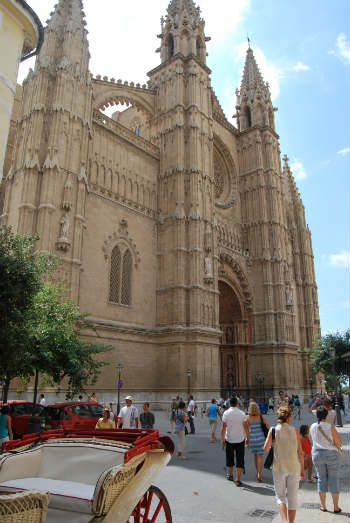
<point>340,260</point>
<point>344,151</point>
<point>342,50</point>
<point>298,170</point>
<point>270,72</point>
<point>301,67</point>
<point>124,46</point>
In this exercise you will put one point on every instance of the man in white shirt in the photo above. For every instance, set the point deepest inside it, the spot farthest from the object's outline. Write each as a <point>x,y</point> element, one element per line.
<point>128,416</point>
<point>332,416</point>
<point>234,436</point>
<point>42,400</point>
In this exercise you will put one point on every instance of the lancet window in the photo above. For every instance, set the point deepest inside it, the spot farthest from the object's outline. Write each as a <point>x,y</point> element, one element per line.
<point>120,276</point>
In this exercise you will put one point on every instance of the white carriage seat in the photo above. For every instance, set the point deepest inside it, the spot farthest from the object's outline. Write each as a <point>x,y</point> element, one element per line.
<point>69,472</point>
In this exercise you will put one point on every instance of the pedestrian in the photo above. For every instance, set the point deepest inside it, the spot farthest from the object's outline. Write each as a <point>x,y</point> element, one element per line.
<point>256,436</point>
<point>6,433</point>
<point>213,412</point>
<point>271,403</point>
<point>111,412</point>
<point>42,400</point>
<point>105,422</point>
<point>297,407</point>
<point>325,456</point>
<point>92,398</point>
<point>234,435</point>
<point>128,415</point>
<point>306,446</point>
<point>190,414</point>
<point>146,417</point>
<point>288,463</point>
<point>180,421</point>
<point>173,409</point>
<point>346,403</point>
<point>331,416</point>
<point>80,398</point>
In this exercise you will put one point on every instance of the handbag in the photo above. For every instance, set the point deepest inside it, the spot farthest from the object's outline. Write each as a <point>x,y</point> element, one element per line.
<point>269,458</point>
<point>339,449</point>
<point>263,426</point>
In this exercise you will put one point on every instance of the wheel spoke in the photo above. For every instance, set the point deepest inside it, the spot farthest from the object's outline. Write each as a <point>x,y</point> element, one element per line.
<point>155,515</point>
<point>148,505</point>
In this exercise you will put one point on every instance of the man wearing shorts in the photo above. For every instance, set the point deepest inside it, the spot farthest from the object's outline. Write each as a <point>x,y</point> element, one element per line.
<point>234,435</point>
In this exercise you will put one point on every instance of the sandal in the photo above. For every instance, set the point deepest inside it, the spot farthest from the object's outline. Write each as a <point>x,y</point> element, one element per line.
<point>229,478</point>
<point>323,509</point>
<point>239,483</point>
<point>337,511</point>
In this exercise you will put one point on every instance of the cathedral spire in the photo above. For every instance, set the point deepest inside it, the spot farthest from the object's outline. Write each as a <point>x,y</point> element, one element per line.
<point>254,106</point>
<point>183,31</point>
<point>65,44</point>
<point>67,16</point>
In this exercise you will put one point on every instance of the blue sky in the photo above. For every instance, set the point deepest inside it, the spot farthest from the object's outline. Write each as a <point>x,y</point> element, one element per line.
<point>302,49</point>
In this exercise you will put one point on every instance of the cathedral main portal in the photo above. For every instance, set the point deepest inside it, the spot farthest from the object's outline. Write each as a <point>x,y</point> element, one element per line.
<point>235,341</point>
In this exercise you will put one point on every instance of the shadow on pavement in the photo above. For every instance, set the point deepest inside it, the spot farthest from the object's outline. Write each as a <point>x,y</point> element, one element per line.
<point>264,491</point>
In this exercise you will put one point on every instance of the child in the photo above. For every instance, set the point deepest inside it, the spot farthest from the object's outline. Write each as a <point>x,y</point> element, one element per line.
<point>306,446</point>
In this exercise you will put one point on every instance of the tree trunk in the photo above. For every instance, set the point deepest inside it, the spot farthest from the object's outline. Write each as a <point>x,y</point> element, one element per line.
<point>35,387</point>
<point>5,389</point>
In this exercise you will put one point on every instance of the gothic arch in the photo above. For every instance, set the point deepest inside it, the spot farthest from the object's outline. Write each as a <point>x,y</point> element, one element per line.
<point>109,94</point>
<point>246,293</point>
<point>123,239</point>
<point>225,175</point>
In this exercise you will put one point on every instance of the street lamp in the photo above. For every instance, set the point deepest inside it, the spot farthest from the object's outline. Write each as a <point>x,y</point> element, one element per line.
<point>260,378</point>
<point>311,380</point>
<point>189,374</point>
<point>120,384</point>
<point>337,408</point>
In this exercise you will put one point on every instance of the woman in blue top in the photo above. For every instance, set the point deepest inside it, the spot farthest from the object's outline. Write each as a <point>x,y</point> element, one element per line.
<point>213,412</point>
<point>5,425</point>
<point>180,420</point>
<point>256,436</point>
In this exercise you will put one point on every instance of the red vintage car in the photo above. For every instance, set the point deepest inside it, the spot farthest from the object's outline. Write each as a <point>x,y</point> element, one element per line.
<point>72,415</point>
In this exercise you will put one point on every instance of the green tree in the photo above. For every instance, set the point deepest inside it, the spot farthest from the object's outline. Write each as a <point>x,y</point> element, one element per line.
<point>321,359</point>
<point>20,279</point>
<point>54,347</point>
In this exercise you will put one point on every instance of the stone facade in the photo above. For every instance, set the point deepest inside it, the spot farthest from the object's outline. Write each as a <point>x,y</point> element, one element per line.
<point>180,234</point>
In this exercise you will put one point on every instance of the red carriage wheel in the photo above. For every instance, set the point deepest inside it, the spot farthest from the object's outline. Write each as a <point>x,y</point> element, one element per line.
<point>152,508</point>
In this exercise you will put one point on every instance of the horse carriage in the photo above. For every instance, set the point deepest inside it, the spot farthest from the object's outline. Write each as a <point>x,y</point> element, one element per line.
<point>85,476</point>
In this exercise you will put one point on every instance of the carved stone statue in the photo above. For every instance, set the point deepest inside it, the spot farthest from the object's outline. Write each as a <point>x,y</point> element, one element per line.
<point>289,296</point>
<point>208,267</point>
<point>208,237</point>
<point>64,226</point>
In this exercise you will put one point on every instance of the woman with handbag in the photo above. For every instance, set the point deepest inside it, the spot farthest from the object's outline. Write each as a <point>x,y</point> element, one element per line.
<point>326,457</point>
<point>258,429</point>
<point>288,463</point>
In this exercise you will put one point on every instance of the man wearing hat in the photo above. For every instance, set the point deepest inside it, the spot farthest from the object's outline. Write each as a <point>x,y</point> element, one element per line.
<point>128,416</point>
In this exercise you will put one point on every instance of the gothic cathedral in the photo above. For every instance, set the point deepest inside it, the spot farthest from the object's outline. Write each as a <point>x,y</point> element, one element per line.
<point>180,234</point>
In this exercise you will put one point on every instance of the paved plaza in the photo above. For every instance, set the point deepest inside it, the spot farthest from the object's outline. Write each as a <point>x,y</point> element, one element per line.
<point>199,493</point>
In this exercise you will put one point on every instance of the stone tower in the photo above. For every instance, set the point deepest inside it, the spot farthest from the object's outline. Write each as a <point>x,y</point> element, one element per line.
<point>179,233</point>
<point>52,142</point>
<point>187,293</point>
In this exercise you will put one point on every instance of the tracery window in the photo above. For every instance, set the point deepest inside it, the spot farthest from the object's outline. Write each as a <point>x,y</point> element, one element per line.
<point>120,276</point>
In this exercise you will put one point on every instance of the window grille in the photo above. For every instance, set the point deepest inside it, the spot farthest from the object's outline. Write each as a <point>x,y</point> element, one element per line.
<point>126,279</point>
<point>114,283</point>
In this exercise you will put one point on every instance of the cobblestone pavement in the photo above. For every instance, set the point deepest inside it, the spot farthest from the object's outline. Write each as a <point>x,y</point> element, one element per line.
<point>199,493</point>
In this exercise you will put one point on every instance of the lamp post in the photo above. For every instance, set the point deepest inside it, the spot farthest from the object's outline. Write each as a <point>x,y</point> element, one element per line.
<point>189,374</point>
<point>260,378</point>
<point>336,406</point>
<point>311,380</point>
<point>120,384</point>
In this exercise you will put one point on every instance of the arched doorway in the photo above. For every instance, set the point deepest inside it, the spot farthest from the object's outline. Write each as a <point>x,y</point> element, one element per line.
<point>235,341</point>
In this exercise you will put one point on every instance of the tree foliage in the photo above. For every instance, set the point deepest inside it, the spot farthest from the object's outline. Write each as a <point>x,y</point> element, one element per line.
<point>39,328</point>
<point>54,346</point>
<point>321,358</point>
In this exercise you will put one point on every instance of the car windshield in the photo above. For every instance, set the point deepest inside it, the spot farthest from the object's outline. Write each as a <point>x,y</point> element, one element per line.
<point>87,411</point>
